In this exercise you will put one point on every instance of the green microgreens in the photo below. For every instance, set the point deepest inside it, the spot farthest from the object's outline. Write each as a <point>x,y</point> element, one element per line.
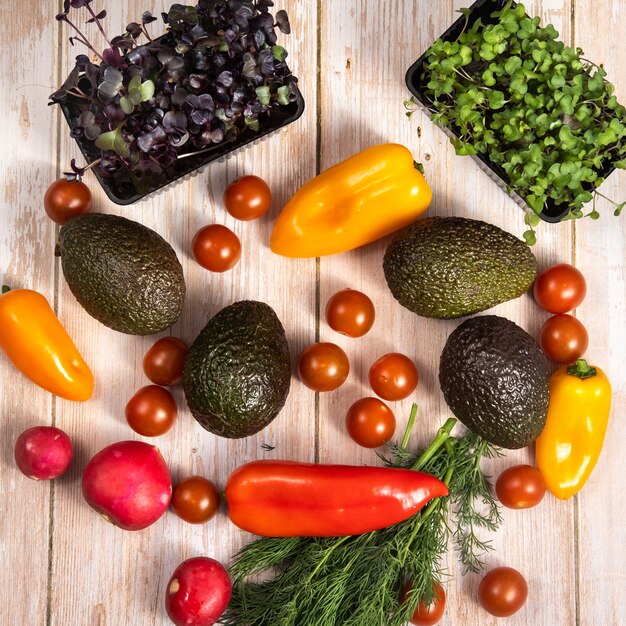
<point>532,106</point>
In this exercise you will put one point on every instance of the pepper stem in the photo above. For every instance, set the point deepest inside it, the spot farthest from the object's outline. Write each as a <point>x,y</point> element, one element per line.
<point>419,167</point>
<point>581,369</point>
<point>5,289</point>
<point>442,436</point>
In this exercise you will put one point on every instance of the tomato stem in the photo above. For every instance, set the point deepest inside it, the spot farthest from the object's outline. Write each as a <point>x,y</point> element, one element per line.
<point>5,289</point>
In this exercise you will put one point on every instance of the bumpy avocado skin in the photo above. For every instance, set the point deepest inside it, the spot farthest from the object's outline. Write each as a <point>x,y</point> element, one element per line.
<point>494,378</point>
<point>450,267</point>
<point>238,371</point>
<point>122,273</point>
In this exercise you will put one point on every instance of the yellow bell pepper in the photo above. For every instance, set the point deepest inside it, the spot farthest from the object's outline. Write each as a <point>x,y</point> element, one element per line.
<point>355,202</point>
<point>37,344</point>
<point>571,442</point>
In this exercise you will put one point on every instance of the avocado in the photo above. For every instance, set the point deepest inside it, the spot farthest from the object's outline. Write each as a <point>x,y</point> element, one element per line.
<point>494,377</point>
<point>449,267</point>
<point>122,273</point>
<point>238,370</point>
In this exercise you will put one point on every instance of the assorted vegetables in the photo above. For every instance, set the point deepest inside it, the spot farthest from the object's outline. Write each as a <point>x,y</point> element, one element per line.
<point>340,209</point>
<point>569,446</point>
<point>340,544</point>
<point>359,579</point>
<point>35,341</point>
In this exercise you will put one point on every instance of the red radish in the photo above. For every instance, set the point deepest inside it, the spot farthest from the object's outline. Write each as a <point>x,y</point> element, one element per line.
<point>198,592</point>
<point>129,484</point>
<point>43,452</point>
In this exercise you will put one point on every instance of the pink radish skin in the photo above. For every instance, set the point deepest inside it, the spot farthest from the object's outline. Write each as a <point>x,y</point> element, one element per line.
<point>198,592</point>
<point>129,484</point>
<point>43,452</point>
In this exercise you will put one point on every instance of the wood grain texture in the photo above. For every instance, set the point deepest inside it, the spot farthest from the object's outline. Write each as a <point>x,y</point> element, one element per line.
<point>601,256</point>
<point>68,567</point>
<point>27,163</point>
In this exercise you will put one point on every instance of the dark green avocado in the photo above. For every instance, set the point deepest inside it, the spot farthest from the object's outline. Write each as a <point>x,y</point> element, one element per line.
<point>494,377</point>
<point>122,273</point>
<point>238,371</point>
<point>449,267</point>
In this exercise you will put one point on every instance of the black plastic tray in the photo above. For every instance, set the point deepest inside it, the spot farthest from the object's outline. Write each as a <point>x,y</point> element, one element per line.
<point>482,9</point>
<point>279,117</point>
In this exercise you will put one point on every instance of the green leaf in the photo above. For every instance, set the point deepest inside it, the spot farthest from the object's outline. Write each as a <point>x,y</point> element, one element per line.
<point>557,81</point>
<point>618,208</point>
<point>134,95</point>
<point>532,219</point>
<point>512,65</point>
<point>488,78</point>
<point>135,83</point>
<point>566,138</point>
<point>263,94</point>
<point>280,54</point>
<point>465,52</point>
<point>283,97</point>
<point>147,90</point>
<point>496,99</point>
<point>594,215</point>
<point>127,106</point>
<point>114,141</point>
<point>530,237</point>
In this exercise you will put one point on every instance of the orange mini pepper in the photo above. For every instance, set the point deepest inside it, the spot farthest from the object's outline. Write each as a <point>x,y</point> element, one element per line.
<point>38,345</point>
<point>355,202</point>
<point>572,439</point>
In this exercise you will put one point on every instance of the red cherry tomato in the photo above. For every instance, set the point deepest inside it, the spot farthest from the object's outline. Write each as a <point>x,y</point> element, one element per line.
<point>195,499</point>
<point>429,614</point>
<point>248,198</point>
<point>323,366</point>
<point>163,363</point>
<point>370,422</point>
<point>393,377</point>
<point>520,487</point>
<point>65,199</point>
<point>151,411</point>
<point>563,338</point>
<point>216,248</point>
<point>502,591</point>
<point>560,288</point>
<point>350,312</point>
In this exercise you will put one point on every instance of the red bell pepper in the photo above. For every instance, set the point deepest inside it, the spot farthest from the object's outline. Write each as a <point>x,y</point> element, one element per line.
<point>287,499</point>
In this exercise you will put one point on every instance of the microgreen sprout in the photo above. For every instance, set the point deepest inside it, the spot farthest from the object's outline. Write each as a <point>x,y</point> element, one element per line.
<point>536,109</point>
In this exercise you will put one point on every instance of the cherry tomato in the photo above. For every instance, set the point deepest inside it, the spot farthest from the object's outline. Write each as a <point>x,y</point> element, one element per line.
<point>520,487</point>
<point>350,312</point>
<point>195,499</point>
<point>163,363</point>
<point>393,377</point>
<point>560,288</point>
<point>151,411</point>
<point>65,199</point>
<point>370,422</point>
<point>502,591</point>
<point>248,198</point>
<point>323,366</point>
<point>429,614</point>
<point>563,338</point>
<point>216,248</point>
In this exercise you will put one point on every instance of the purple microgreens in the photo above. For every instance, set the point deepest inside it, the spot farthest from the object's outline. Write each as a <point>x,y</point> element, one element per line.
<point>216,73</point>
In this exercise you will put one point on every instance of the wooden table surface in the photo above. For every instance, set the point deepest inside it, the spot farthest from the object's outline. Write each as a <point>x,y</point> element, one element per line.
<point>63,565</point>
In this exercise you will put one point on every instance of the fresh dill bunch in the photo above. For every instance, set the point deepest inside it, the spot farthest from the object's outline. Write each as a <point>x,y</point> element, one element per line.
<point>361,580</point>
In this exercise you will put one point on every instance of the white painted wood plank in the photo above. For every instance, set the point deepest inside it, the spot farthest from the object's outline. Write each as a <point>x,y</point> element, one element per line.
<point>27,167</point>
<point>601,256</point>
<point>124,574</point>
